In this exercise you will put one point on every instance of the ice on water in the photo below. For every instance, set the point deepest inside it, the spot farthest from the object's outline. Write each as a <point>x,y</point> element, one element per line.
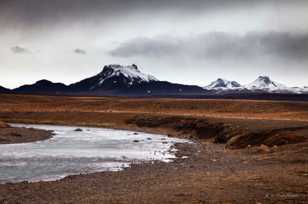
<point>72,152</point>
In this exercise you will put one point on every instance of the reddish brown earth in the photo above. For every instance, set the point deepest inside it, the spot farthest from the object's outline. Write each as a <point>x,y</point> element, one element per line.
<point>244,151</point>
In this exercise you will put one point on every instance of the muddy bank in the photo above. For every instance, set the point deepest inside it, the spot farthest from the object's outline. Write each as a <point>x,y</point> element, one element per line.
<point>3,125</point>
<point>11,135</point>
<point>235,134</point>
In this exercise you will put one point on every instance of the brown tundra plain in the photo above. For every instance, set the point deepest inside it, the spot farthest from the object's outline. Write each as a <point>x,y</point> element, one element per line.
<point>244,151</point>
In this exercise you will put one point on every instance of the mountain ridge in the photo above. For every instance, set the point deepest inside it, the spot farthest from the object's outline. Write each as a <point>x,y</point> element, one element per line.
<point>128,80</point>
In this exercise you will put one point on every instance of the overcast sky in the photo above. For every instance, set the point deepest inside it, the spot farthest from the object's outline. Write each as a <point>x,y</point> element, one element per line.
<point>192,42</point>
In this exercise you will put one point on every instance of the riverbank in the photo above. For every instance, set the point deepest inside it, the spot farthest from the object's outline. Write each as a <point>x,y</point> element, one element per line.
<point>218,168</point>
<point>13,135</point>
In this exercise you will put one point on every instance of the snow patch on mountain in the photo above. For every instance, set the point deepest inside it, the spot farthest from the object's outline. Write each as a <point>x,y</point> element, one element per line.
<point>131,72</point>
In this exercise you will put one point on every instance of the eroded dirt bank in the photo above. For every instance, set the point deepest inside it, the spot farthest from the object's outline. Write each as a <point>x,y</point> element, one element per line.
<point>12,135</point>
<point>234,160</point>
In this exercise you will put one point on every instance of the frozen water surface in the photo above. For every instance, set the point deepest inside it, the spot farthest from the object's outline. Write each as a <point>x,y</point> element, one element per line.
<point>72,152</point>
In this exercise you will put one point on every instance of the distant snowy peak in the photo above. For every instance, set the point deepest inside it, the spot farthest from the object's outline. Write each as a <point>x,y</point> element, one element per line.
<point>261,84</point>
<point>222,84</point>
<point>130,73</point>
<point>264,83</point>
<point>300,90</point>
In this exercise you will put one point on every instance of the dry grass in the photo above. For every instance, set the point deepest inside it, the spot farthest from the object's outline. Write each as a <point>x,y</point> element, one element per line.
<point>236,122</point>
<point>246,109</point>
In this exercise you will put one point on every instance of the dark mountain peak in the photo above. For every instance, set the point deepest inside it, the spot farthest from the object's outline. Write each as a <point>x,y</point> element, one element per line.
<point>220,80</point>
<point>42,86</point>
<point>43,82</point>
<point>265,79</point>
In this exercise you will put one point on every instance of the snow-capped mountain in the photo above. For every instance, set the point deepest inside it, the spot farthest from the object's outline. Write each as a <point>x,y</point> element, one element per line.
<point>264,83</point>
<point>129,80</point>
<point>127,75</point>
<point>114,77</point>
<point>222,84</point>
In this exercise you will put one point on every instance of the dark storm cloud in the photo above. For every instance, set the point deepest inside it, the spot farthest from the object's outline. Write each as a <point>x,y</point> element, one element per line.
<point>19,50</point>
<point>32,13</point>
<point>80,51</point>
<point>220,46</point>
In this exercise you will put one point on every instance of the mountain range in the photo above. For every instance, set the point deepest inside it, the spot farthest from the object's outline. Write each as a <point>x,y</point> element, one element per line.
<point>118,80</point>
<point>263,84</point>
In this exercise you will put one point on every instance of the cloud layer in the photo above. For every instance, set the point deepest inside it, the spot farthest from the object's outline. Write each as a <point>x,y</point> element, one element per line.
<point>20,50</point>
<point>69,40</point>
<point>42,13</point>
<point>219,46</point>
<point>80,51</point>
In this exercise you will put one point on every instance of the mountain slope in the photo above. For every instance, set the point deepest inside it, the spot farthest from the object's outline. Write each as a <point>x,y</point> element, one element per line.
<point>4,90</point>
<point>113,77</point>
<point>264,83</point>
<point>44,87</point>
<point>129,80</point>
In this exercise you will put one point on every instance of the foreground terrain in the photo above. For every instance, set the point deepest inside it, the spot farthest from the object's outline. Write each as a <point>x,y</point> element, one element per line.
<point>244,151</point>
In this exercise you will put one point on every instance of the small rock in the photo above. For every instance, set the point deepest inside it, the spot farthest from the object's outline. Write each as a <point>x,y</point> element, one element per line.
<point>136,141</point>
<point>264,148</point>
<point>16,134</point>
<point>78,130</point>
<point>149,138</point>
<point>135,133</point>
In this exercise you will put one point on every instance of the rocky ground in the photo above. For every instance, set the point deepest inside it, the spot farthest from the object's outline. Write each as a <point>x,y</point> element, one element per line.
<point>243,151</point>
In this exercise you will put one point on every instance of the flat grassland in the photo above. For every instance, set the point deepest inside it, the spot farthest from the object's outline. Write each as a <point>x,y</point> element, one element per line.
<point>245,151</point>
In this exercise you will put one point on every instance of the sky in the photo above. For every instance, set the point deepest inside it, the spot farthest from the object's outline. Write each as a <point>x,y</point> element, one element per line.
<point>191,42</point>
